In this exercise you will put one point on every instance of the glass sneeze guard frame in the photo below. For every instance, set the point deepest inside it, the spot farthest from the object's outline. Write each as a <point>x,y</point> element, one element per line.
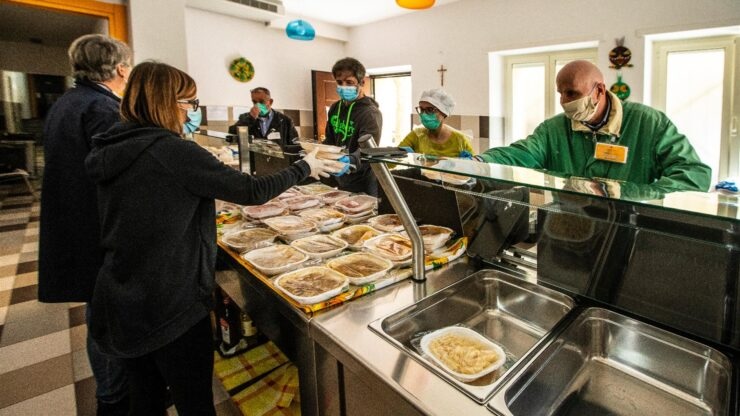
<point>708,204</point>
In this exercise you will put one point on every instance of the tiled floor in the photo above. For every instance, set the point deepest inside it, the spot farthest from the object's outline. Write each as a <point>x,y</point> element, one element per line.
<point>43,358</point>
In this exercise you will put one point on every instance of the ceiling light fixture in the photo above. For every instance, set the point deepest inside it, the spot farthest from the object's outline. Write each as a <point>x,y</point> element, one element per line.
<point>300,30</point>
<point>415,4</point>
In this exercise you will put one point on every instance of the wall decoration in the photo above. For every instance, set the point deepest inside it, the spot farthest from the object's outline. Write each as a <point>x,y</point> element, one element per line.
<point>241,69</point>
<point>415,4</point>
<point>300,30</point>
<point>620,89</point>
<point>620,55</point>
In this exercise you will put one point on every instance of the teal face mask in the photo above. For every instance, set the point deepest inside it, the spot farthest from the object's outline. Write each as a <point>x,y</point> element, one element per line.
<point>263,109</point>
<point>347,93</point>
<point>193,122</point>
<point>430,121</point>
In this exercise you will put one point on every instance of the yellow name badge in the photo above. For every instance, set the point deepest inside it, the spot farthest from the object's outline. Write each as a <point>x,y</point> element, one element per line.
<point>611,152</point>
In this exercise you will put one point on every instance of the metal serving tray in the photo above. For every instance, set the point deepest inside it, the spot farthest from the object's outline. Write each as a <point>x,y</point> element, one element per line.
<point>513,313</point>
<point>604,363</point>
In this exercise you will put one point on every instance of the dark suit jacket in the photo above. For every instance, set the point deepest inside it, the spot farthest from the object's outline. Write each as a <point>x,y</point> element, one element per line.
<point>69,241</point>
<point>280,123</point>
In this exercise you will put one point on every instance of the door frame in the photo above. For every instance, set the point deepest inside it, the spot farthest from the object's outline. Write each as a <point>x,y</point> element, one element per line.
<point>114,13</point>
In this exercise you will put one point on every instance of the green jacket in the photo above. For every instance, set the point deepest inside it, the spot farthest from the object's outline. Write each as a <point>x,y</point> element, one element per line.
<point>658,154</point>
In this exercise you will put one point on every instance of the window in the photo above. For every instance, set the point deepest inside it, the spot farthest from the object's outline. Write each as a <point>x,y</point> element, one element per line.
<point>694,86</point>
<point>393,94</point>
<point>531,93</point>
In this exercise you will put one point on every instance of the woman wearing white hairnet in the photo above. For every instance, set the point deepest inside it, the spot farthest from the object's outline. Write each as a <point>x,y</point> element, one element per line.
<point>435,137</point>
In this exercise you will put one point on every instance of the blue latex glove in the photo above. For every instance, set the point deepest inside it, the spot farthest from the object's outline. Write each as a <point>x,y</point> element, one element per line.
<point>407,149</point>
<point>344,159</point>
<point>726,186</point>
<point>466,155</point>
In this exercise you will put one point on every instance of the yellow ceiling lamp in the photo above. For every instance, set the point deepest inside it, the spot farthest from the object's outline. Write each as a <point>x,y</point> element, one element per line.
<point>415,4</point>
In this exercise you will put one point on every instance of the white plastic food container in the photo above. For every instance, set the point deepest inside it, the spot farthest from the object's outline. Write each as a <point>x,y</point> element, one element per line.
<point>469,334</point>
<point>312,284</point>
<point>275,259</point>
<point>319,246</point>
<point>324,148</point>
<point>329,198</point>
<point>270,209</point>
<point>356,204</point>
<point>387,222</point>
<point>434,236</point>
<point>360,268</point>
<point>393,247</point>
<point>323,216</point>
<point>316,188</point>
<point>291,225</point>
<point>301,202</point>
<point>356,235</point>
<point>250,239</point>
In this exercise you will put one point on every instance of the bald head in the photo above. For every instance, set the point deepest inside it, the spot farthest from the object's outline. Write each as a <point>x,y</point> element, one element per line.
<point>578,79</point>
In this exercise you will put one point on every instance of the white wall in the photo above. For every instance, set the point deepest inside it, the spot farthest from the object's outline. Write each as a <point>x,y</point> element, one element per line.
<point>281,64</point>
<point>461,35</point>
<point>34,59</point>
<point>157,31</point>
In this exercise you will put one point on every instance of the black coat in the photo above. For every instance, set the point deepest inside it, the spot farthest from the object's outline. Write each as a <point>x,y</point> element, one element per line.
<point>280,123</point>
<point>69,251</point>
<point>156,199</point>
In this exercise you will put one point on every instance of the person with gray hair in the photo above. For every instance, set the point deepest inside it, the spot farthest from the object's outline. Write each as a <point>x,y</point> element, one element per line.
<point>69,242</point>
<point>434,137</point>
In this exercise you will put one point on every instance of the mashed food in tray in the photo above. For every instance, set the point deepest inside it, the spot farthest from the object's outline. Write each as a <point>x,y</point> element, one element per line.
<point>359,267</point>
<point>311,282</point>
<point>323,216</point>
<point>249,239</point>
<point>387,222</point>
<point>290,224</point>
<point>462,354</point>
<point>276,256</point>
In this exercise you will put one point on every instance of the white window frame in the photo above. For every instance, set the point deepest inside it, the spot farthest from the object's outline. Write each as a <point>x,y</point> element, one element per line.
<point>549,59</point>
<point>729,163</point>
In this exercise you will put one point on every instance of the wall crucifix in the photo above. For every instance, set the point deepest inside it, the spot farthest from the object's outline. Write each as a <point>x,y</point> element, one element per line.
<point>442,71</point>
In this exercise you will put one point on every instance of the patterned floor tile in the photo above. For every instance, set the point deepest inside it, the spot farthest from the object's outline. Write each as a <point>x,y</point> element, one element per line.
<point>77,316</point>
<point>7,283</point>
<point>30,309</point>
<point>78,337</point>
<point>33,351</point>
<point>26,279</point>
<point>24,294</point>
<point>34,380</point>
<point>30,248</point>
<point>85,394</point>
<point>8,270</point>
<point>81,365</point>
<point>27,266</point>
<point>59,402</point>
<point>33,327</point>
<point>9,259</point>
<point>3,313</point>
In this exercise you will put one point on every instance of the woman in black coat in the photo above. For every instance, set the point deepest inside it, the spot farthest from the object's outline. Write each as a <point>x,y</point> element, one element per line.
<point>156,196</point>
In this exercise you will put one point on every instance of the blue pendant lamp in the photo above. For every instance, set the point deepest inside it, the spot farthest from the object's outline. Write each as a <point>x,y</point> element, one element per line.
<point>300,30</point>
<point>415,4</point>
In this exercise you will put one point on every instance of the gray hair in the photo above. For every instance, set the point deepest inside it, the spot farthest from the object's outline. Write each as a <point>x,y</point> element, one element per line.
<point>95,57</point>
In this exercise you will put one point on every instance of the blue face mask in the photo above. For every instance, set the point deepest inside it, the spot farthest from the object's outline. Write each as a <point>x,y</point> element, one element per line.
<point>193,122</point>
<point>348,93</point>
<point>263,109</point>
<point>430,121</point>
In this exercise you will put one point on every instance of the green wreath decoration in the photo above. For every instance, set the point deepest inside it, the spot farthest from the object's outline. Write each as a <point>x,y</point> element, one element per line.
<point>241,69</point>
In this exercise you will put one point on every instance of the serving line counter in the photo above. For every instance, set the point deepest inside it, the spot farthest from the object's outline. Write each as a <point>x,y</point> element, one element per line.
<point>631,291</point>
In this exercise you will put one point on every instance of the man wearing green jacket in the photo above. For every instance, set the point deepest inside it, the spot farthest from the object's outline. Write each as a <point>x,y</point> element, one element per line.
<point>600,136</point>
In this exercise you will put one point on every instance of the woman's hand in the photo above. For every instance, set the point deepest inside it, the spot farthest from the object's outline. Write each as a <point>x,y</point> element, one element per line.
<point>318,166</point>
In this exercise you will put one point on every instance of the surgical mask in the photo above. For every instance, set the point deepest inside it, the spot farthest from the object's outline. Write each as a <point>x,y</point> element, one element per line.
<point>347,93</point>
<point>193,122</point>
<point>582,109</point>
<point>430,121</point>
<point>263,109</point>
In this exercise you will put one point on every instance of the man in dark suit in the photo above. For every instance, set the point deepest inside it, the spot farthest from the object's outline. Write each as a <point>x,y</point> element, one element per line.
<point>263,122</point>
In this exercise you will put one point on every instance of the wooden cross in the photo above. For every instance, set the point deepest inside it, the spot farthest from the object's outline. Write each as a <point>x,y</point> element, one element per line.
<point>442,71</point>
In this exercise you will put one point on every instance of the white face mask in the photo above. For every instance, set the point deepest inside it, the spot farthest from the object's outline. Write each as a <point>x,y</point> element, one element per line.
<point>582,109</point>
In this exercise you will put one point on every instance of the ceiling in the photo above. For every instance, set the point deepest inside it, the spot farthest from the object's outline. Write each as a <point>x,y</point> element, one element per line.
<point>349,12</point>
<point>22,24</point>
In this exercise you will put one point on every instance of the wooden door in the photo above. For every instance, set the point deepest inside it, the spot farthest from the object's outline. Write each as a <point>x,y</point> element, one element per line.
<point>324,95</point>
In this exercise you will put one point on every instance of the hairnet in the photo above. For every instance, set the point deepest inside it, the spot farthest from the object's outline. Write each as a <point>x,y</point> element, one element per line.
<point>440,99</point>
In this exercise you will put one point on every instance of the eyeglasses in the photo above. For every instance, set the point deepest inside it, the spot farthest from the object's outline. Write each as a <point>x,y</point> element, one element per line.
<point>427,110</point>
<point>194,102</point>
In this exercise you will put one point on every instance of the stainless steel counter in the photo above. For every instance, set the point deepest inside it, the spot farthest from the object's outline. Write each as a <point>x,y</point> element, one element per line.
<point>343,332</point>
